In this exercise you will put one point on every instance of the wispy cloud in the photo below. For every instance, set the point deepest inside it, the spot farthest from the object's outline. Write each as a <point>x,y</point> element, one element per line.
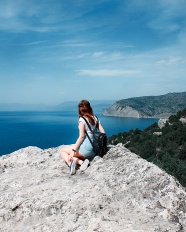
<point>33,43</point>
<point>105,56</point>
<point>18,16</point>
<point>107,72</point>
<point>98,54</point>
<point>38,77</point>
<point>46,16</point>
<point>77,44</point>
<point>166,14</point>
<point>171,61</point>
<point>39,16</point>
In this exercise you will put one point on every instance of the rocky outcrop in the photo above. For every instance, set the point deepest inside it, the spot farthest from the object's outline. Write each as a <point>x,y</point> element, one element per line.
<point>157,133</point>
<point>119,192</point>
<point>183,120</point>
<point>162,122</point>
<point>118,111</point>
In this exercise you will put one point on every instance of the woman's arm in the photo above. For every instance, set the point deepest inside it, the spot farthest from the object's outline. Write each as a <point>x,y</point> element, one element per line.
<point>78,141</point>
<point>101,128</point>
<point>81,135</point>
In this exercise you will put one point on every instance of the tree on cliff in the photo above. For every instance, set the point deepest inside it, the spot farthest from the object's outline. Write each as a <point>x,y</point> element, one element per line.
<point>167,151</point>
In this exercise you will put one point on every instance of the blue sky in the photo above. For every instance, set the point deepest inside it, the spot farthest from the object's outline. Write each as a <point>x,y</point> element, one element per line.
<point>53,51</point>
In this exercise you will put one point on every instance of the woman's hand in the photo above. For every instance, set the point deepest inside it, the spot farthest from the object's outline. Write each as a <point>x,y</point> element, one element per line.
<point>70,158</point>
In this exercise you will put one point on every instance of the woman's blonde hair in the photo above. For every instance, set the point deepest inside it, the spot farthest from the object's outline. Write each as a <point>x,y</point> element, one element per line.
<point>85,109</point>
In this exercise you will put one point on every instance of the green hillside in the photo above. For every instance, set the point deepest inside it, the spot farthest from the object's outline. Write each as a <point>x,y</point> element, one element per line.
<point>155,105</point>
<point>167,151</point>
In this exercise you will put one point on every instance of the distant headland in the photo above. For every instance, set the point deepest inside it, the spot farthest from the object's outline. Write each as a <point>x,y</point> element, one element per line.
<point>148,106</point>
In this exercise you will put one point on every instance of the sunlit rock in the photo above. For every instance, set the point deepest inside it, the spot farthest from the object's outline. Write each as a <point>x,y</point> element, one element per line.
<point>120,192</point>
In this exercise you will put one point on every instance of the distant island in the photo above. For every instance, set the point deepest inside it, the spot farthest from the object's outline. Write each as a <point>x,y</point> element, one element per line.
<point>98,105</point>
<point>148,106</point>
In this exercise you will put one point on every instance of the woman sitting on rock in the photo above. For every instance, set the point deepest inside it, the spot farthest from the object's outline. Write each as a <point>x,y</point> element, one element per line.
<point>80,152</point>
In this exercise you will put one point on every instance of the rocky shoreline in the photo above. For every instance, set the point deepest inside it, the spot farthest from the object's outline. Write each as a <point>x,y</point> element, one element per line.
<point>119,192</point>
<point>128,112</point>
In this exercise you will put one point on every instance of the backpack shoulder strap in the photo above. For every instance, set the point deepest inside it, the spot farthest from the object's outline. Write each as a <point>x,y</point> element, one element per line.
<point>97,122</point>
<point>87,124</point>
<point>89,128</point>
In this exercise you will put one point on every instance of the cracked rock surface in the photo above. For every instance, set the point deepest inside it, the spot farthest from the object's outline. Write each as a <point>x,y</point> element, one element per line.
<point>119,192</point>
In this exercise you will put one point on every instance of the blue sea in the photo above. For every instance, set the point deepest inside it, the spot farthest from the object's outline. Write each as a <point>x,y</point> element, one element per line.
<point>52,129</point>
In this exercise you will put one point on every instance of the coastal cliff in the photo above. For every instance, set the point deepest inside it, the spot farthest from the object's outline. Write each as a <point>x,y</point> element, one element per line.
<point>149,106</point>
<point>119,192</point>
<point>117,110</point>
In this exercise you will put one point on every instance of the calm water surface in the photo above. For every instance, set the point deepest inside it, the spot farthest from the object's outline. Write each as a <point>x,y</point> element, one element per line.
<point>52,129</point>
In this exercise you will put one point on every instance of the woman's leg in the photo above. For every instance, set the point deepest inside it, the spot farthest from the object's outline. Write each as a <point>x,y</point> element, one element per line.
<point>65,152</point>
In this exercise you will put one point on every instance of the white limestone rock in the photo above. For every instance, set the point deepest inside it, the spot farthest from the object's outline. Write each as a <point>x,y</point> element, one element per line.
<point>120,192</point>
<point>157,133</point>
<point>183,120</point>
<point>127,111</point>
<point>162,122</point>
